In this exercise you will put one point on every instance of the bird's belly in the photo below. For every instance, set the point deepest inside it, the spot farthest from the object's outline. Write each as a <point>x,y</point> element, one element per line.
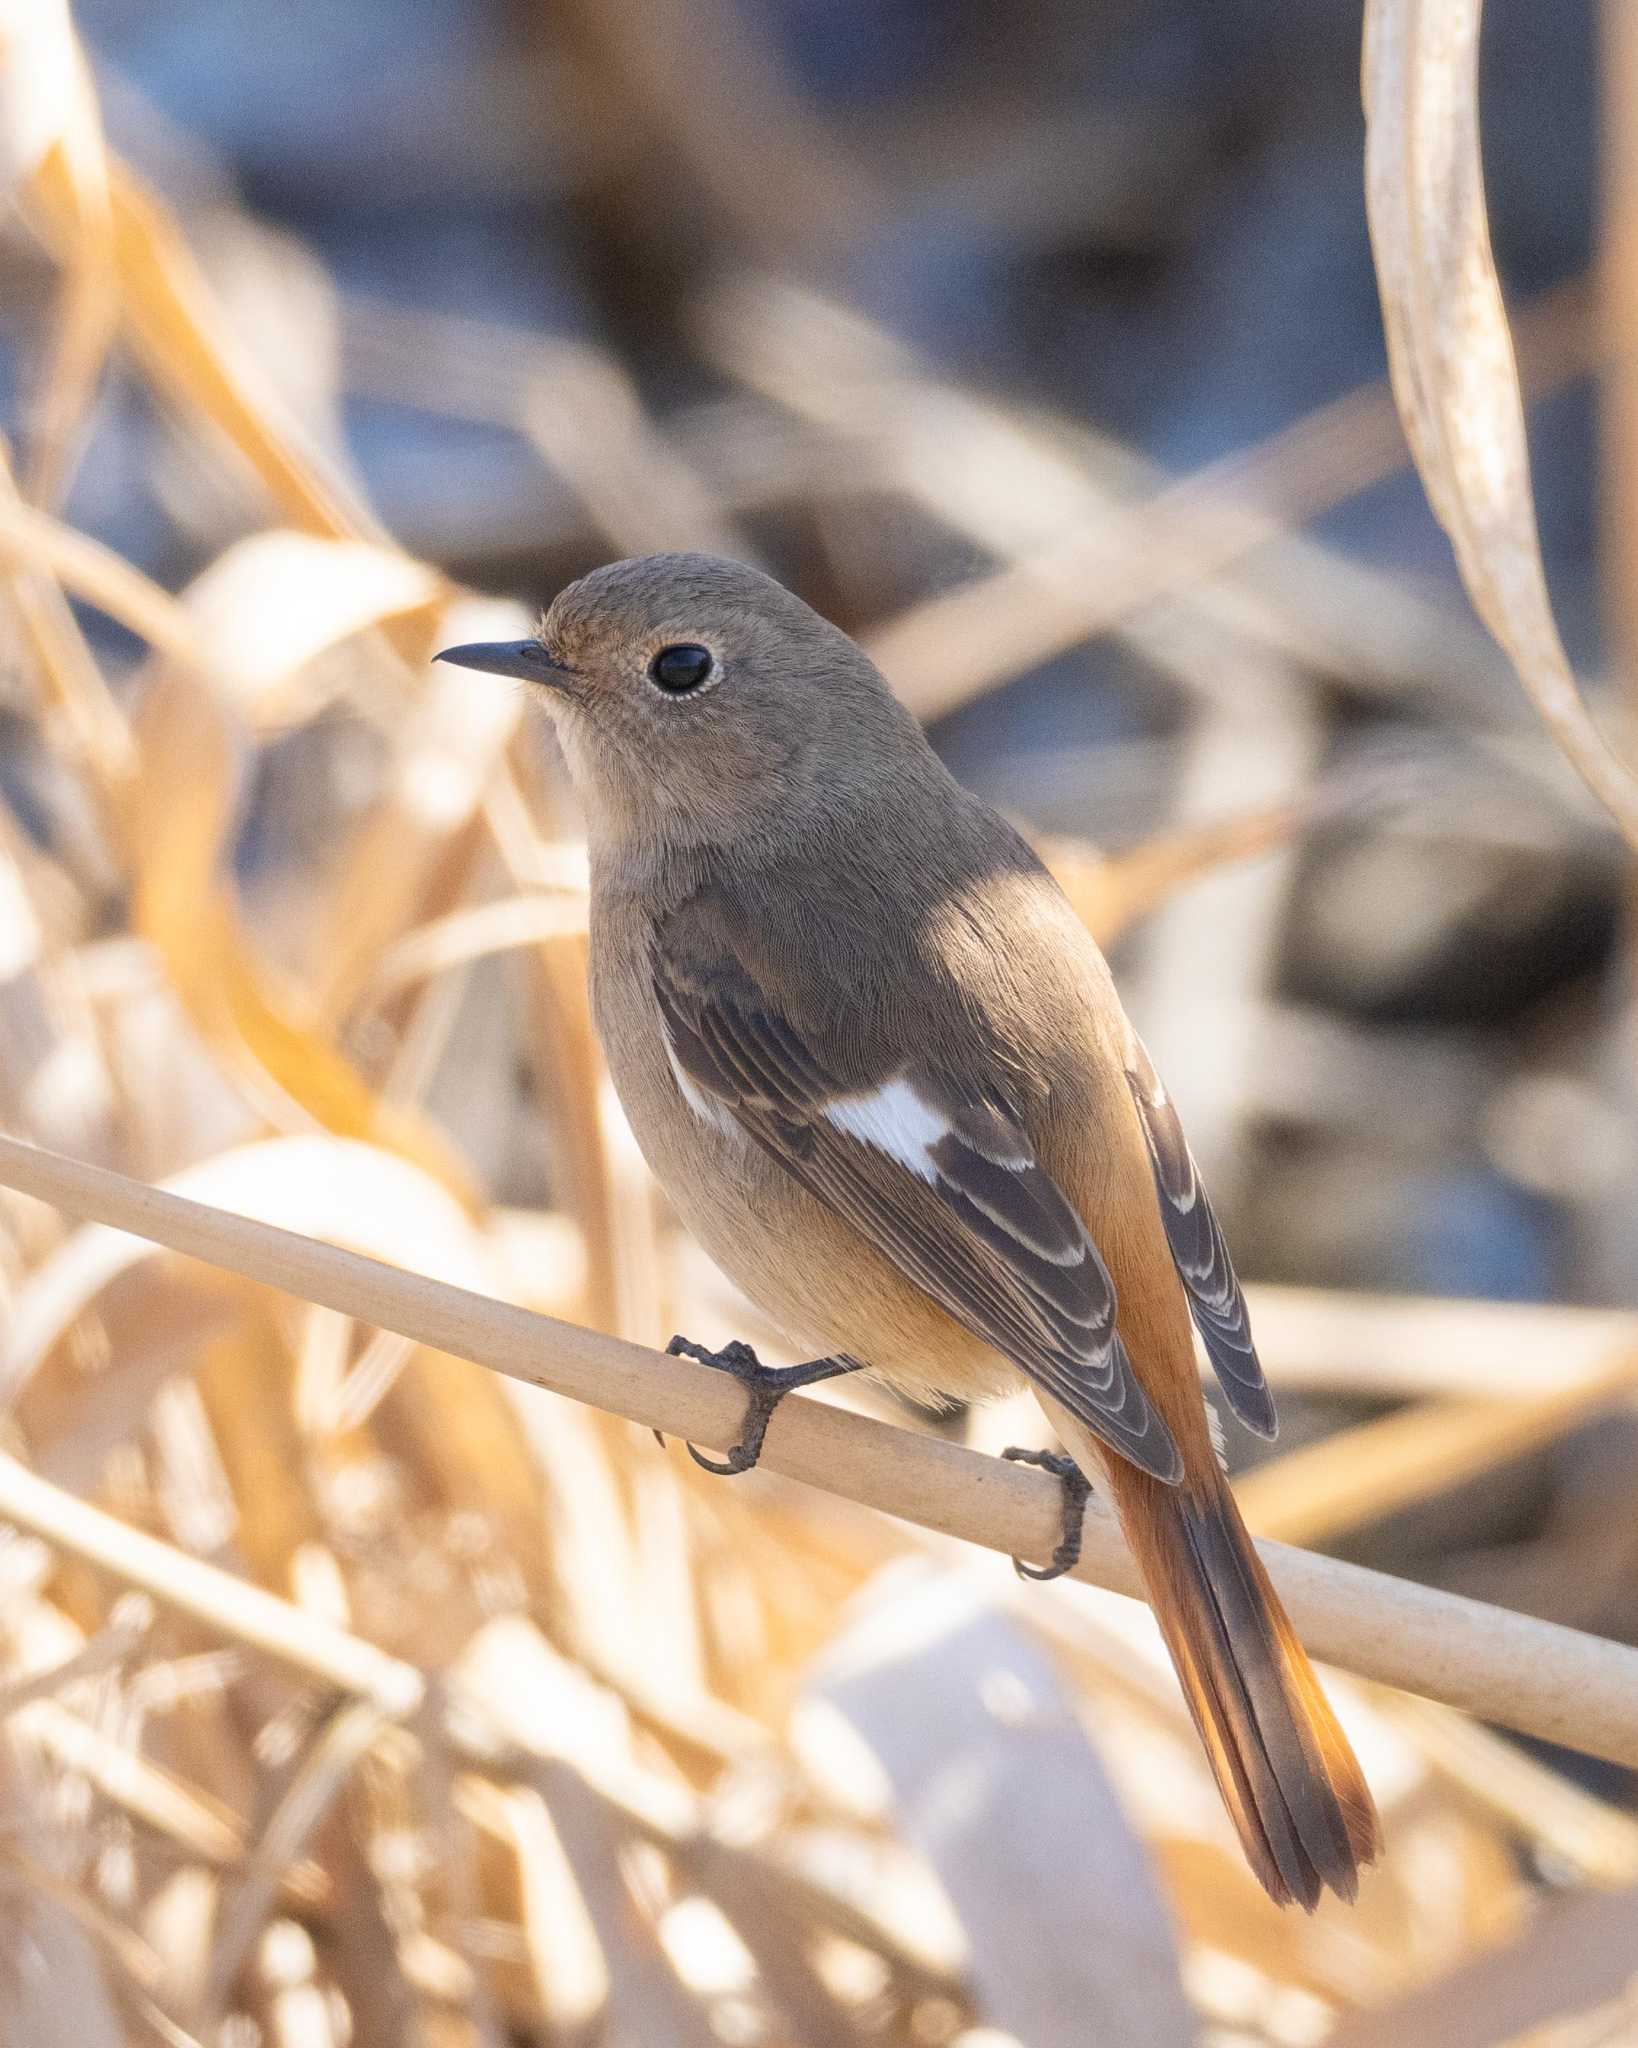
<point>811,1273</point>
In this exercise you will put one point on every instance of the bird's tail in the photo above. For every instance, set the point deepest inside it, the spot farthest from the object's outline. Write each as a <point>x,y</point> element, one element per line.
<point>1286,1772</point>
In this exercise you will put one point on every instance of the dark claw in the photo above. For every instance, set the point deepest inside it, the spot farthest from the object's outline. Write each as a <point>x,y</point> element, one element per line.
<point>765,1387</point>
<point>1077,1492</point>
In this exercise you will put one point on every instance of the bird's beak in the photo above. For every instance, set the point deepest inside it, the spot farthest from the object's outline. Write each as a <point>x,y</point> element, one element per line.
<point>527,660</point>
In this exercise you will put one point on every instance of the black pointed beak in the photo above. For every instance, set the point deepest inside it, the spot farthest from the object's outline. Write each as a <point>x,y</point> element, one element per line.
<point>527,660</point>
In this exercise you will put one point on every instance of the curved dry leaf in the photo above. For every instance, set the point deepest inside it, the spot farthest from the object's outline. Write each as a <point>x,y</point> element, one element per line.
<point>1450,353</point>
<point>332,1188</point>
<point>992,1778</point>
<point>38,76</point>
<point>271,604</point>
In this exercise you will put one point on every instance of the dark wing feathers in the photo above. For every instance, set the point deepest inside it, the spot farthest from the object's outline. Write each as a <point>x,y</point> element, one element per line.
<point>984,1229</point>
<point>1199,1252</point>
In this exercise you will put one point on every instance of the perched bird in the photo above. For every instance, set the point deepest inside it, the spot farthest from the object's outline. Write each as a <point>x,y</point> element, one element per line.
<point>881,1069</point>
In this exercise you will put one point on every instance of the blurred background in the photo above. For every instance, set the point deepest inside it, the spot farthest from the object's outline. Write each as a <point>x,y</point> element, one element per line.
<point>1041,349</point>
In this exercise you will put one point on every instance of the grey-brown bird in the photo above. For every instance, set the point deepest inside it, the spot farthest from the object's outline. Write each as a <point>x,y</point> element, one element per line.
<point>881,1069</point>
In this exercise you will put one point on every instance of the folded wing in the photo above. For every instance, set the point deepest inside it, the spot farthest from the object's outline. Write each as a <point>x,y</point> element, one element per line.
<point>1199,1252</point>
<point>943,1182</point>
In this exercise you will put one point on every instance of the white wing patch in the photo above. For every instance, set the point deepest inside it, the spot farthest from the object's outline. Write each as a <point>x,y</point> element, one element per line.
<point>896,1121</point>
<point>706,1107</point>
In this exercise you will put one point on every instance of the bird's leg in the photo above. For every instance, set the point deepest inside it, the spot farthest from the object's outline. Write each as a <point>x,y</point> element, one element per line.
<point>765,1387</point>
<point>1077,1491</point>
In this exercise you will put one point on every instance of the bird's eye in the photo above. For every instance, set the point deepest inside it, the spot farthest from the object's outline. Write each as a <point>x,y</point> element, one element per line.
<point>680,669</point>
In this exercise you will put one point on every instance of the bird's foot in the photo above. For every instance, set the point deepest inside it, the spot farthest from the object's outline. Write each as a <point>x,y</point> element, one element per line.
<point>1077,1491</point>
<point>765,1387</point>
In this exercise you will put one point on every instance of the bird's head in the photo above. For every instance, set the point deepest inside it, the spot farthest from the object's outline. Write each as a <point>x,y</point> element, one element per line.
<point>700,701</point>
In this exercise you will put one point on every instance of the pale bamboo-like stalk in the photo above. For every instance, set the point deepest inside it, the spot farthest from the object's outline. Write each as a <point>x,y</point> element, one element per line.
<point>1535,1676</point>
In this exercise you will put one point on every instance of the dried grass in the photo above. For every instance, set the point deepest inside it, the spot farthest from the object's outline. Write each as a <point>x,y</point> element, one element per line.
<point>468,1713</point>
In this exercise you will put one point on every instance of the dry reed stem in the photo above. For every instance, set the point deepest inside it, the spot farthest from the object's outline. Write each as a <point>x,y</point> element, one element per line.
<point>1124,537</point>
<point>1334,1341</point>
<point>1535,1676</point>
<point>1092,576</point>
<point>1355,1476</point>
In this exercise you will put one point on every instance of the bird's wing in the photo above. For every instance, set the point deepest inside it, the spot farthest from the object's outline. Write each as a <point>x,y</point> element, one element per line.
<point>1198,1251</point>
<point>945,1184</point>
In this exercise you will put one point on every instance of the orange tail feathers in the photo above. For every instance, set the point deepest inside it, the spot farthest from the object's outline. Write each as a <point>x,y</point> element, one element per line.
<point>1286,1772</point>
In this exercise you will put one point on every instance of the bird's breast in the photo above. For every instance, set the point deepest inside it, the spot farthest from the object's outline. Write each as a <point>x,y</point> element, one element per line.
<point>810,1272</point>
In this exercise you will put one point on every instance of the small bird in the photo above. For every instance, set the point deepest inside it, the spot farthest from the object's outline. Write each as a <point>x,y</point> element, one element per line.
<point>881,1069</point>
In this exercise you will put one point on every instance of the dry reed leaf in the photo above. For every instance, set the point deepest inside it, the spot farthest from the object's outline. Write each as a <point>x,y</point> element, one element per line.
<point>197,1823</point>
<point>409,857</point>
<point>33,541</point>
<point>1451,356</point>
<point>171,316</point>
<point>244,1379</point>
<point>86,722</point>
<point>1088,534</point>
<point>571,1979</point>
<point>88,305</point>
<point>569,1068</point>
<point>38,66</point>
<point>585,414</point>
<point>344,1737</point>
<point>478,932</point>
<point>111,1645</point>
<point>470,1450</point>
<point>223,1604</point>
<point>181,807</point>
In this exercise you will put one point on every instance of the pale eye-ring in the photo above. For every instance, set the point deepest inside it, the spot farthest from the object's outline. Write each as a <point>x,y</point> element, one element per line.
<point>681,668</point>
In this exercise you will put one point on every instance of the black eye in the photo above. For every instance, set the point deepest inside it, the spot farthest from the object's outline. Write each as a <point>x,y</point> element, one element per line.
<point>682,668</point>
